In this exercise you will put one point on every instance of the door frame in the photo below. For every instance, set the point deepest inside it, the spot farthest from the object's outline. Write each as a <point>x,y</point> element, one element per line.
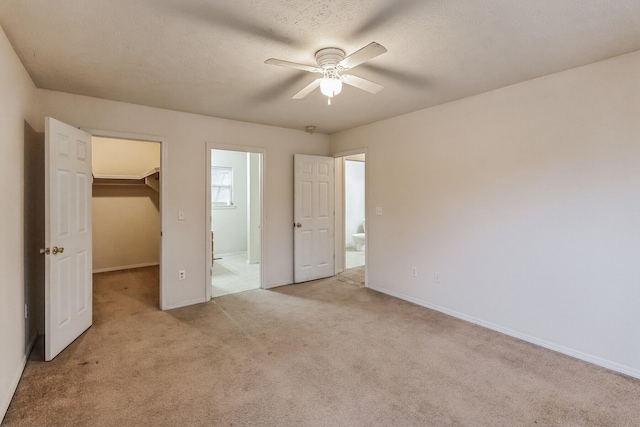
<point>164,151</point>
<point>340,224</point>
<point>245,149</point>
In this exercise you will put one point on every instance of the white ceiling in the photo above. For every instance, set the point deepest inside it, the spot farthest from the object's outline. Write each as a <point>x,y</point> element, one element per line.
<point>207,56</point>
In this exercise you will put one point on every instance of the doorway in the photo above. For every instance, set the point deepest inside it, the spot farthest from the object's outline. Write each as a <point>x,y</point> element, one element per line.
<point>234,206</point>
<point>354,211</point>
<point>128,172</point>
<point>125,204</point>
<point>351,214</point>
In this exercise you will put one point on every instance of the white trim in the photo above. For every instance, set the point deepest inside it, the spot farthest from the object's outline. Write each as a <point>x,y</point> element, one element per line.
<point>164,161</point>
<point>186,303</point>
<point>125,267</point>
<point>339,216</point>
<point>32,343</point>
<point>263,170</point>
<point>352,152</point>
<point>4,406</point>
<point>278,284</point>
<point>134,177</point>
<point>131,136</point>
<point>230,187</point>
<point>524,337</point>
<point>228,254</point>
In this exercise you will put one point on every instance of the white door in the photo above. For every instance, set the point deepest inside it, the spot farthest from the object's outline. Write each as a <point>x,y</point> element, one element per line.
<point>68,263</point>
<point>313,215</point>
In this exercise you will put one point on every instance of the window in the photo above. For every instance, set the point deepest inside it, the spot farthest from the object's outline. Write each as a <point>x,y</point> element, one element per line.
<point>221,186</point>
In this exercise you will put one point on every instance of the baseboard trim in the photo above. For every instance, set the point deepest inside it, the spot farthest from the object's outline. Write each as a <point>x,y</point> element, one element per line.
<point>12,389</point>
<point>604,363</point>
<point>31,344</point>
<point>227,254</point>
<point>184,304</point>
<point>125,267</point>
<point>277,285</point>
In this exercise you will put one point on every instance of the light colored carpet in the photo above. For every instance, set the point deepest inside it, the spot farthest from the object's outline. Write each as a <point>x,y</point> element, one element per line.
<point>323,353</point>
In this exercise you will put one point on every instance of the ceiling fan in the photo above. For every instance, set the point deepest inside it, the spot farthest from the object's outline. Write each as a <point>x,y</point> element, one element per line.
<point>332,63</point>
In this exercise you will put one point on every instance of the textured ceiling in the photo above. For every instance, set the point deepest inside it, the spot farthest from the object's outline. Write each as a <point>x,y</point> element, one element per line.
<point>207,57</point>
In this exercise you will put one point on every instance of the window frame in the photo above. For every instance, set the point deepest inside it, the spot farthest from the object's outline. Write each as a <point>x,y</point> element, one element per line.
<point>222,205</point>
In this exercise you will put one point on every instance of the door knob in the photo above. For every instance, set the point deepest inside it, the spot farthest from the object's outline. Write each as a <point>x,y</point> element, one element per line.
<point>44,251</point>
<point>57,250</point>
<point>298,225</point>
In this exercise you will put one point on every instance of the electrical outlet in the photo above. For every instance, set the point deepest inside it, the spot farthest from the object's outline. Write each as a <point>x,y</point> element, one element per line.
<point>378,211</point>
<point>436,277</point>
<point>180,215</point>
<point>414,272</point>
<point>182,274</point>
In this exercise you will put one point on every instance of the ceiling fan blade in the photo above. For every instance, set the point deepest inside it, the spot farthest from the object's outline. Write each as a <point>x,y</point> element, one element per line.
<point>288,64</point>
<point>308,89</point>
<point>360,83</point>
<point>368,52</point>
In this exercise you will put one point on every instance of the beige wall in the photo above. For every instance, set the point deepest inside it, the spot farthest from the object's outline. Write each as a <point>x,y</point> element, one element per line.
<point>126,227</point>
<point>526,201</point>
<point>123,157</point>
<point>16,106</point>
<point>184,181</point>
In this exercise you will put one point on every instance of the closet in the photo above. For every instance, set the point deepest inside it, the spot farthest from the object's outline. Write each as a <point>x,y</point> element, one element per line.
<point>126,204</point>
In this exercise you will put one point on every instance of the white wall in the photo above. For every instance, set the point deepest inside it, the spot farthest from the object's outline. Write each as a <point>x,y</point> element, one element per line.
<point>184,180</point>
<point>354,200</point>
<point>230,224</point>
<point>526,201</point>
<point>16,106</point>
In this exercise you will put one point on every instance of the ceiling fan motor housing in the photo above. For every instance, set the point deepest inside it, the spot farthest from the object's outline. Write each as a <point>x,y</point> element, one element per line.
<point>329,57</point>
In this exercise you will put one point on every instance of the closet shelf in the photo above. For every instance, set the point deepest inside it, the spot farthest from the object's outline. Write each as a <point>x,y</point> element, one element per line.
<point>150,178</point>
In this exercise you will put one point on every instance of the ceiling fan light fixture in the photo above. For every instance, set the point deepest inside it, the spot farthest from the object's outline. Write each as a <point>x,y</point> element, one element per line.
<point>331,86</point>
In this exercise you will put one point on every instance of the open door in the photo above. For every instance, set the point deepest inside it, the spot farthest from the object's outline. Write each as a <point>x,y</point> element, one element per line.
<point>68,256</point>
<point>314,217</point>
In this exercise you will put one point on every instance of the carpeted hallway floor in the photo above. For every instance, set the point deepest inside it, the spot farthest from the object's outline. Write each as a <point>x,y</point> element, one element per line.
<point>323,353</point>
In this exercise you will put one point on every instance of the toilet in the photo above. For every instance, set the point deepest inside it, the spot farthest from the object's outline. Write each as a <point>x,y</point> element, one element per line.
<point>359,238</point>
